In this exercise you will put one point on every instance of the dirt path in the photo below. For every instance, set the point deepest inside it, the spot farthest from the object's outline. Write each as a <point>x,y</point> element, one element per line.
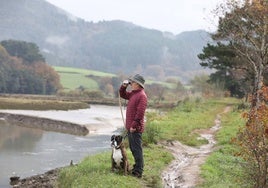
<point>184,170</point>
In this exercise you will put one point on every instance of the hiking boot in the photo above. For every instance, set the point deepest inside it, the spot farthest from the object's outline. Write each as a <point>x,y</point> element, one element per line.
<point>136,174</point>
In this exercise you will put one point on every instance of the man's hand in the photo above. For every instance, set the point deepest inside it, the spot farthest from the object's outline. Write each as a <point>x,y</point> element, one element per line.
<point>125,83</point>
<point>132,130</point>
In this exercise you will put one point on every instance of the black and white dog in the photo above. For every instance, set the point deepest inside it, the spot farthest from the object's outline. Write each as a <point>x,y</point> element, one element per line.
<point>119,155</point>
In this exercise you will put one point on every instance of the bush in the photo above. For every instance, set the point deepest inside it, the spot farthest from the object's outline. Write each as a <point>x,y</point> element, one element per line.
<point>151,134</point>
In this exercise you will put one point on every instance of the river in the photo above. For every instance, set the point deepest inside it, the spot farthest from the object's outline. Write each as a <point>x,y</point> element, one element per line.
<point>25,152</point>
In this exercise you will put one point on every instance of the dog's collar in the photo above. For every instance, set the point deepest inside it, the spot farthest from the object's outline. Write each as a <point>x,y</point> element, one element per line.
<point>118,147</point>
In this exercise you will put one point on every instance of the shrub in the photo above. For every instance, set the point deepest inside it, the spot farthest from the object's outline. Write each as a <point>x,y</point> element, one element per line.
<point>151,134</point>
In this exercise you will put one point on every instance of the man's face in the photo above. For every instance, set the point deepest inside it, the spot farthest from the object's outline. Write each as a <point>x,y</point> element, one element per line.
<point>134,85</point>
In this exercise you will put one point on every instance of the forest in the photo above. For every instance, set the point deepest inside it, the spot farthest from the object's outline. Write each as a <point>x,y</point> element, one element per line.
<point>23,69</point>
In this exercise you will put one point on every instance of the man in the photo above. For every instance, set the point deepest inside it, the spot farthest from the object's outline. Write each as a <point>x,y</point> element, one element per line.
<point>137,103</point>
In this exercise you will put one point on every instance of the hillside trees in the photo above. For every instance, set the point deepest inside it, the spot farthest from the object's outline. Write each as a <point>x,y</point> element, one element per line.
<point>29,52</point>
<point>244,25</point>
<point>23,70</point>
<point>231,71</point>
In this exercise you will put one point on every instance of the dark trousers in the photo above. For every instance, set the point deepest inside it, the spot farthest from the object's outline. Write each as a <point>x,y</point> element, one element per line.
<point>135,145</point>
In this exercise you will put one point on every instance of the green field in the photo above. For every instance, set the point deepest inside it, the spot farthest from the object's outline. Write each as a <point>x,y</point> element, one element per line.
<point>73,78</point>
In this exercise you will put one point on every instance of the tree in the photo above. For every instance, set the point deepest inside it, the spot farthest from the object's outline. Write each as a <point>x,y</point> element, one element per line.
<point>253,141</point>
<point>245,26</point>
<point>25,71</point>
<point>231,71</point>
<point>156,92</point>
<point>25,50</point>
<point>50,79</point>
<point>200,84</point>
<point>3,55</point>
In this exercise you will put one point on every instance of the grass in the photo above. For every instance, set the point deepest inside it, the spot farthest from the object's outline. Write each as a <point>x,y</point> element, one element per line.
<point>179,123</point>
<point>81,71</point>
<point>222,168</point>
<point>94,171</point>
<point>166,84</point>
<point>72,81</point>
<point>73,78</point>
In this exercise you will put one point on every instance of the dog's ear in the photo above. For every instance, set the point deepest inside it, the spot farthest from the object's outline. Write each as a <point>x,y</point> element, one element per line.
<point>112,138</point>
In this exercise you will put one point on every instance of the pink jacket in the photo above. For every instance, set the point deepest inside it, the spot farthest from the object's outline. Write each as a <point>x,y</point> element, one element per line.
<point>135,108</point>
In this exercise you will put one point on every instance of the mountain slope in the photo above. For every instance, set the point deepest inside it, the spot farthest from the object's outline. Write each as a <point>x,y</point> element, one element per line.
<point>110,46</point>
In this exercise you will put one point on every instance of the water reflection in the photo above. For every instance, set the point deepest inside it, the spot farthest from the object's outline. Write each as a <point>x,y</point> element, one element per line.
<point>12,138</point>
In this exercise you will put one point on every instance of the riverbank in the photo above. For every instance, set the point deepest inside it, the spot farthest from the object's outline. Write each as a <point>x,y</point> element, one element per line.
<point>47,180</point>
<point>54,102</point>
<point>39,102</point>
<point>44,124</point>
<point>98,119</point>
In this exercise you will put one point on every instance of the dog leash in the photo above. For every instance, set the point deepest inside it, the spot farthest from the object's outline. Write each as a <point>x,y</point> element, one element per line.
<point>123,119</point>
<point>120,104</point>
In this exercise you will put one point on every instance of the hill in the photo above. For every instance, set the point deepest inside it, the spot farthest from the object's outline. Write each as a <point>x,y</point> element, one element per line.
<point>109,46</point>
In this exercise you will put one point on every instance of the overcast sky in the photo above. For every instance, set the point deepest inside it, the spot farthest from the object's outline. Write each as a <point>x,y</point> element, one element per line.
<point>165,15</point>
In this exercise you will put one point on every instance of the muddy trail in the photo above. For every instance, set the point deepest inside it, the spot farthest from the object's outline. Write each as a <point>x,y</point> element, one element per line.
<point>184,170</point>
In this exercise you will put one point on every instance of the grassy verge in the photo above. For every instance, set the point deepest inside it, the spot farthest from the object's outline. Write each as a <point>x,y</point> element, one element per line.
<point>179,123</point>
<point>94,171</point>
<point>222,168</point>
